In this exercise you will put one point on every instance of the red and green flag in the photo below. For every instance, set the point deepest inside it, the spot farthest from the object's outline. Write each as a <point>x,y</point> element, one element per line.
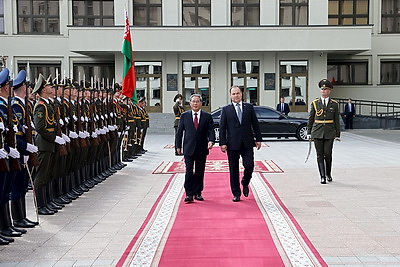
<point>129,76</point>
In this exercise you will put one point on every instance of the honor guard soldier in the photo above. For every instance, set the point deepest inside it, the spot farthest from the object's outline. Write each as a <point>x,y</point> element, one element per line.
<point>324,128</point>
<point>8,166</point>
<point>132,121</point>
<point>145,123</point>
<point>26,148</point>
<point>46,140</point>
<point>178,110</point>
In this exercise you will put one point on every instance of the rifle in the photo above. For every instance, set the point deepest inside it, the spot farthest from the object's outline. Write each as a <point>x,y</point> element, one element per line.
<point>62,116</point>
<point>15,165</point>
<point>61,148</point>
<point>33,158</point>
<point>4,166</point>
<point>95,141</point>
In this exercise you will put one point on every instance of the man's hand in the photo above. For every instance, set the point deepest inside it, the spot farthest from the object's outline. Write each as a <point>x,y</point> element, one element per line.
<point>224,148</point>
<point>258,145</point>
<point>210,145</point>
<point>337,139</point>
<point>179,151</point>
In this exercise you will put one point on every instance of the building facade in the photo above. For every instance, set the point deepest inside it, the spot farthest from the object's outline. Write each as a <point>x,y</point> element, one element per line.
<point>270,48</point>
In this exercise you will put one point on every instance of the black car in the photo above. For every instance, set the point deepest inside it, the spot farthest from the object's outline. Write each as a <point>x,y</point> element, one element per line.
<point>272,124</point>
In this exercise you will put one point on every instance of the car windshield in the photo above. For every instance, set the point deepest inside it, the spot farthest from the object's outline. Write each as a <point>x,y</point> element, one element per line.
<point>216,114</point>
<point>267,113</point>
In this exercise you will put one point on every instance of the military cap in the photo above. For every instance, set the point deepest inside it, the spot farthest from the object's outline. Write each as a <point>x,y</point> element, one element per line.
<point>325,83</point>
<point>41,83</point>
<point>19,80</point>
<point>178,96</point>
<point>4,76</point>
<point>142,99</point>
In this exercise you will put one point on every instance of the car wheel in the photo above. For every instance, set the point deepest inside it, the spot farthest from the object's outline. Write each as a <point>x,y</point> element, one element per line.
<point>302,133</point>
<point>216,131</point>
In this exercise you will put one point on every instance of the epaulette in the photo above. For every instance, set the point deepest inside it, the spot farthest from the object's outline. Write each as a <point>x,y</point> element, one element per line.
<point>334,100</point>
<point>316,99</point>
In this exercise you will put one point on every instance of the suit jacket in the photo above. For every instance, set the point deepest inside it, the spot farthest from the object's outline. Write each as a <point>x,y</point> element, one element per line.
<point>232,133</point>
<point>347,110</point>
<point>195,140</point>
<point>285,110</point>
<point>323,122</point>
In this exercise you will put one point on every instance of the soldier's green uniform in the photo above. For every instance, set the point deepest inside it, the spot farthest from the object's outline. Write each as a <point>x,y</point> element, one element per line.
<point>178,110</point>
<point>324,127</point>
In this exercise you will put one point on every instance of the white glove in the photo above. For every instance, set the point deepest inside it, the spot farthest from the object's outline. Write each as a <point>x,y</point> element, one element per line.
<point>127,128</point>
<point>308,136</point>
<point>97,131</point>
<point>26,158</point>
<point>3,154</point>
<point>86,133</point>
<point>66,120</point>
<point>32,125</point>
<point>102,117</point>
<point>97,117</point>
<point>94,135</point>
<point>75,118</point>
<point>81,135</point>
<point>31,148</point>
<point>59,140</point>
<point>110,127</point>
<point>82,119</point>
<point>73,135</point>
<point>102,131</point>
<point>61,122</point>
<point>15,128</point>
<point>86,119</point>
<point>119,134</point>
<point>66,138</point>
<point>106,116</point>
<point>1,126</point>
<point>111,114</point>
<point>14,153</point>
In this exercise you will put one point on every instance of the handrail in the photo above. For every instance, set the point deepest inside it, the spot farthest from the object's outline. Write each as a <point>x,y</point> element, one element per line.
<point>371,107</point>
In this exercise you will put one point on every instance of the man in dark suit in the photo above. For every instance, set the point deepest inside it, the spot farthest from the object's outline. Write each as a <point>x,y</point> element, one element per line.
<point>283,107</point>
<point>196,129</point>
<point>239,132</point>
<point>349,114</point>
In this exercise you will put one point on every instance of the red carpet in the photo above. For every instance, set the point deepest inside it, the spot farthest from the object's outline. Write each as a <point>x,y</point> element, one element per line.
<point>257,231</point>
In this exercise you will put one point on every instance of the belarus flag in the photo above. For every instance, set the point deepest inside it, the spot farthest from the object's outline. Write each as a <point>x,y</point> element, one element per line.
<point>129,76</point>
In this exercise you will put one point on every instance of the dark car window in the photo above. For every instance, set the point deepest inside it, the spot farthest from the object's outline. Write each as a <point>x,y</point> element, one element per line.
<point>266,113</point>
<point>216,114</point>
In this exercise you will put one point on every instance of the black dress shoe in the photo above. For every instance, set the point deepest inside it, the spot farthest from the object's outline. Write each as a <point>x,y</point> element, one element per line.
<point>236,199</point>
<point>189,199</point>
<point>246,190</point>
<point>46,211</point>
<point>22,231</point>
<point>23,224</point>
<point>323,180</point>
<point>8,239</point>
<point>329,178</point>
<point>199,197</point>
<point>33,222</point>
<point>127,160</point>
<point>10,232</point>
<point>3,242</point>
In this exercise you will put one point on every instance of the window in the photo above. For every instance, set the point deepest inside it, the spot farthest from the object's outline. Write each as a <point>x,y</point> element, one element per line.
<point>197,80</point>
<point>293,12</point>
<point>1,16</point>
<point>38,16</point>
<point>245,74</point>
<point>293,84</point>
<point>148,83</point>
<point>390,72</point>
<point>196,12</point>
<point>147,12</point>
<point>85,71</point>
<point>245,12</point>
<point>390,16</point>
<point>46,69</point>
<point>350,73</point>
<point>348,12</point>
<point>93,13</point>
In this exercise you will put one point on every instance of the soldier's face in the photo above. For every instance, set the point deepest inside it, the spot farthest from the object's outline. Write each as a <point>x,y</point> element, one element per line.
<point>325,91</point>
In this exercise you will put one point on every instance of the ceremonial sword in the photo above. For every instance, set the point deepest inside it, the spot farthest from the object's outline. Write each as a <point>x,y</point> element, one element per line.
<point>34,192</point>
<point>309,150</point>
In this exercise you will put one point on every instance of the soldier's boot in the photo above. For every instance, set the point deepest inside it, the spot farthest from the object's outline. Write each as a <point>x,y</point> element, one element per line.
<point>62,198</point>
<point>5,223</point>
<point>328,170</point>
<point>3,240</point>
<point>106,172</point>
<point>58,192</point>
<point>70,185</point>
<point>41,201</point>
<point>23,203</point>
<point>96,167</point>
<point>93,171</point>
<point>81,186</point>
<point>51,204</point>
<point>19,215</point>
<point>100,166</point>
<point>9,221</point>
<point>89,180</point>
<point>321,168</point>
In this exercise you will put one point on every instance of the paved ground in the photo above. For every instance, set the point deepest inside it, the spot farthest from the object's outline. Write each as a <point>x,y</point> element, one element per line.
<point>353,221</point>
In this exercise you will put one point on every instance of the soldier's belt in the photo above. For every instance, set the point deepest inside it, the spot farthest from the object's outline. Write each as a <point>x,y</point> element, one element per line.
<point>50,129</point>
<point>323,121</point>
<point>131,120</point>
<point>177,118</point>
<point>19,133</point>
